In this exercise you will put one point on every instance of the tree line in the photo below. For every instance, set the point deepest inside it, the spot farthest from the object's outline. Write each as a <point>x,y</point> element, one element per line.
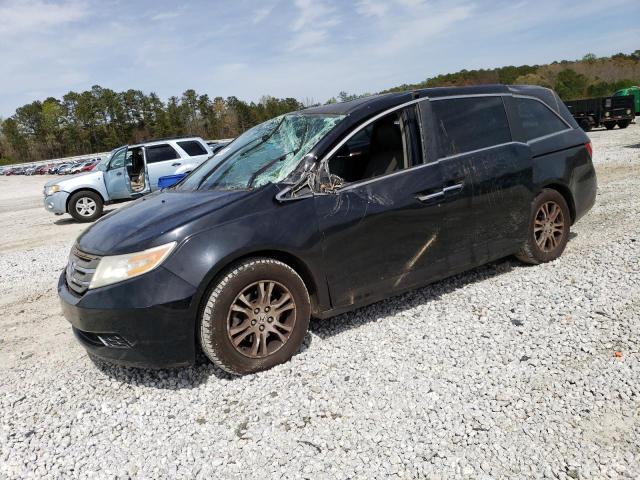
<point>100,119</point>
<point>572,79</point>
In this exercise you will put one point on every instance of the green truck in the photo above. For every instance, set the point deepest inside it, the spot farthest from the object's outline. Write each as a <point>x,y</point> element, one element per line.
<point>635,92</point>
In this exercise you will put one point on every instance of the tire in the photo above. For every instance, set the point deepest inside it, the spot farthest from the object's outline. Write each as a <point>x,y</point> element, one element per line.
<point>585,125</point>
<point>229,337</point>
<point>85,206</point>
<point>623,123</point>
<point>543,224</point>
<point>609,125</point>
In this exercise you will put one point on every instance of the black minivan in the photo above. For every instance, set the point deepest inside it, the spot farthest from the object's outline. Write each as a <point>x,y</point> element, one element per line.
<point>320,211</point>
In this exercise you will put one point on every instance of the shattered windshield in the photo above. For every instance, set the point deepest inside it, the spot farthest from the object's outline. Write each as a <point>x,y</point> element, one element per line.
<point>266,153</point>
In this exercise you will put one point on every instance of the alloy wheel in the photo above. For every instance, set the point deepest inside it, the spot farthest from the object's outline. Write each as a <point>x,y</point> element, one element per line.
<point>549,226</point>
<point>261,319</point>
<point>86,206</point>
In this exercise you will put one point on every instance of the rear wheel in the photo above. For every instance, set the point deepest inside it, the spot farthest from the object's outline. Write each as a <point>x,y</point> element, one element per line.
<point>548,228</point>
<point>623,123</point>
<point>85,206</point>
<point>585,124</point>
<point>609,125</point>
<point>255,317</point>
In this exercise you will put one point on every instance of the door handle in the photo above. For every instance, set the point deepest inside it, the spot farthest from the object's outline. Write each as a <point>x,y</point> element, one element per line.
<point>430,196</point>
<point>450,189</point>
<point>176,164</point>
<point>118,174</point>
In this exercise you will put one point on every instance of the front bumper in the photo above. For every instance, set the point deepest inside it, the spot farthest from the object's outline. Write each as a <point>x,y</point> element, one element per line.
<point>56,203</point>
<point>148,321</point>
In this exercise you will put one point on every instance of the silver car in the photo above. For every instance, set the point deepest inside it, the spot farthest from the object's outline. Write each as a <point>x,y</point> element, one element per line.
<point>127,173</point>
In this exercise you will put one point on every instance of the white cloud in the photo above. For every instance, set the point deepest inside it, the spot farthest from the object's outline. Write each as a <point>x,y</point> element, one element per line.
<point>20,17</point>
<point>262,14</point>
<point>312,26</point>
<point>372,8</point>
<point>313,13</point>
<point>165,16</point>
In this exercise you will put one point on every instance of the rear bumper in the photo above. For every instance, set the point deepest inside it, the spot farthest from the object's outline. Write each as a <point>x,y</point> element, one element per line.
<point>56,203</point>
<point>146,322</point>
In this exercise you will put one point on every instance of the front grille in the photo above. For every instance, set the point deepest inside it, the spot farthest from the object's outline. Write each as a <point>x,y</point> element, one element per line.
<point>80,270</point>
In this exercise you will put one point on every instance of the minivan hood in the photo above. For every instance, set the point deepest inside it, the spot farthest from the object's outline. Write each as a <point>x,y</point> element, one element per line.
<point>153,220</point>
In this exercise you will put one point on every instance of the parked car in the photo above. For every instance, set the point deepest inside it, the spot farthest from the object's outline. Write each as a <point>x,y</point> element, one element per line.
<point>129,172</point>
<point>88,166</point>
<point>216,146</point>
<point>16,171</point>
<point>602,112</point>
<point>322,211</point>
<point>42,169</point>
<point>64,168</point>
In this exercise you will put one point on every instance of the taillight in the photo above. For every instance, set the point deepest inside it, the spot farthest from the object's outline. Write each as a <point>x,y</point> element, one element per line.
<point>589,149</point>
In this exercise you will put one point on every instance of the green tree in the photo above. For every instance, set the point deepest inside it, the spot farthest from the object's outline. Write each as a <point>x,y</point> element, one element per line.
<point>570,84</point>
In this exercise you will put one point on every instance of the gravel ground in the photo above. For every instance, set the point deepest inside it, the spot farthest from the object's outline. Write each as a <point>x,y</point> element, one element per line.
<point>507,371</point>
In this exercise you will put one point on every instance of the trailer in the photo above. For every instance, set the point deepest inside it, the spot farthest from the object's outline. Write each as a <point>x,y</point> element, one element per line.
<point>603,111</point>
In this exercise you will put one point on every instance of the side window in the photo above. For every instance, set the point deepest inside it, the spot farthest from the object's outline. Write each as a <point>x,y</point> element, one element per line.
<point>118,159</point>
<point>192,147</point>
<point>160,153</point>
<point>537,119</point>
<point>380,148</point>
<point>466,124</point>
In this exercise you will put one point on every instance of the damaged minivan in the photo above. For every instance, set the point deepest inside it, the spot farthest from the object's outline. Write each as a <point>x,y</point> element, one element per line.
<point>324,210</point>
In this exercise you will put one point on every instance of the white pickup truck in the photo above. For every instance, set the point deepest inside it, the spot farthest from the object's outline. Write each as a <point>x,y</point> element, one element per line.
<point>128,172</point>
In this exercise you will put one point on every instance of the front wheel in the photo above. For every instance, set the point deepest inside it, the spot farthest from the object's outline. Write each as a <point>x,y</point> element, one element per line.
<point>256,316</point>
<point>609,125</point>
<point>85,206</point>
<point>623,123</point>
<point>548,228</point>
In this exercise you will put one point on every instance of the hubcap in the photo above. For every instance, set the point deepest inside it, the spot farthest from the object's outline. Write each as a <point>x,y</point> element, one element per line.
<point>86,206</point>
<point>261,319</point>
<point>549,226</point>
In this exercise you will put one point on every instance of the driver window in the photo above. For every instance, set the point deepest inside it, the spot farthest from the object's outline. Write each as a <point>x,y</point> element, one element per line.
<point>378,149</point>
<point>118,159</point>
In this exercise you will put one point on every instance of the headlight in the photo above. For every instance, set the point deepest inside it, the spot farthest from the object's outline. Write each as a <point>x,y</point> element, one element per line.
<point>607,114</point>
<point>51,189</point>
<point>628,112</point>
<point>117,268</point>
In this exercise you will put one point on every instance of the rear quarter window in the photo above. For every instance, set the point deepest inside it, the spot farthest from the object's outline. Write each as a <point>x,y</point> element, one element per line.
<point>161,153</point>
<point>192,147</point>
<point>537,119</point>
<point>466,124</point>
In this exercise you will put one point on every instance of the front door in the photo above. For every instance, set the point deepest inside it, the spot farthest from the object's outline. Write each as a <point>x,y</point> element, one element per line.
<point>381,229</point>
<point>116,178</point>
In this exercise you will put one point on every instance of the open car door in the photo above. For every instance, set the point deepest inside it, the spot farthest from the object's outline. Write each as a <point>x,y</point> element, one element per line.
<point>116,179</point>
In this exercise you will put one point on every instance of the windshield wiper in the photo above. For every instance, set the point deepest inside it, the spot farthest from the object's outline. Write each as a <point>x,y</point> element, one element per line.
<point>266,166</point>
<point>264,138</point>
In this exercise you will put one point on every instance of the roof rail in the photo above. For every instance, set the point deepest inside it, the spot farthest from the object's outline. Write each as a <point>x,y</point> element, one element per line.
<point>165,139</point>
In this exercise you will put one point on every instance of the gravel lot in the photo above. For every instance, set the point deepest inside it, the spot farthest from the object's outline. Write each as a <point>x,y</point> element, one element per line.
<point>507,371</point>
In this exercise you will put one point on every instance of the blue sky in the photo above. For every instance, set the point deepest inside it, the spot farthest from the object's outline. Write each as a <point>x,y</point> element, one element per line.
<point>308,49</point>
